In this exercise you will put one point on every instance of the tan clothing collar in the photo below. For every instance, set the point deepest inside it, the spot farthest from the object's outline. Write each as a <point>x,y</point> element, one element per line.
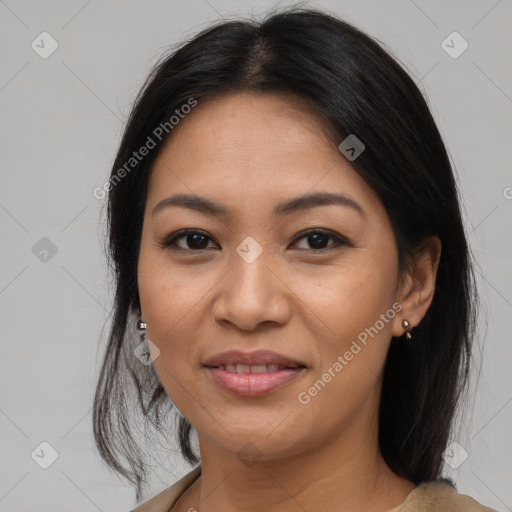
<point>428,496</point>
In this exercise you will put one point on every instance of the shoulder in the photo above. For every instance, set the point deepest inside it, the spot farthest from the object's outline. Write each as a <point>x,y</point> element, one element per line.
<point>164,500</point>
<point>442,496</point>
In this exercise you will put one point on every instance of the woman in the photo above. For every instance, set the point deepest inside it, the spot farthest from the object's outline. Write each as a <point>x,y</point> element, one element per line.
<point>286,235</point>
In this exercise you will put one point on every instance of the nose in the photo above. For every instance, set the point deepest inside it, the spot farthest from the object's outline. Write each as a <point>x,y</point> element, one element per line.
<point>252,293</point>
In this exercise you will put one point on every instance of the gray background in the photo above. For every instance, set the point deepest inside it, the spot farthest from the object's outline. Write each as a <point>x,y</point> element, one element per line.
<point>61,121</point>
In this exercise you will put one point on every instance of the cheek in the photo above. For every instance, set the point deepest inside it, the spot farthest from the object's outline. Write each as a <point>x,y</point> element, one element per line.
<point>169,292</point>
<point>172,327</point>
<point>163,306</point>
<point>172,300</point>
<point>168,306</point>
<point>351,339</point>
<point>347,297</point>
<point>348,301</point>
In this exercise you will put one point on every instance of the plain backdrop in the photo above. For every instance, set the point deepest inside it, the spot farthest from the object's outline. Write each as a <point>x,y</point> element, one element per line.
<point>60,124</point>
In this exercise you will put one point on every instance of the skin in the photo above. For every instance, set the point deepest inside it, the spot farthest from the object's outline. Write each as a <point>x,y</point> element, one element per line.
<point>250,151</point>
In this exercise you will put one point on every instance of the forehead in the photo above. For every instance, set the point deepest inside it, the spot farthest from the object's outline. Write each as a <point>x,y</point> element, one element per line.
<point>249,127</point>
<point>253,147</point>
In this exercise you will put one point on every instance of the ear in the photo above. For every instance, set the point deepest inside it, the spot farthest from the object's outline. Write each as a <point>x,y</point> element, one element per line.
<point>419,285</point>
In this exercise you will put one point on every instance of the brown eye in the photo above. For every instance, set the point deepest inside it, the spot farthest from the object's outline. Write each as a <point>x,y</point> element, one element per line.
<point>193,240</point>
<point>317,239</point>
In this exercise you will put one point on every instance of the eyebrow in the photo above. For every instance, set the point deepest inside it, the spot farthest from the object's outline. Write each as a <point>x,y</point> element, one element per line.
<point>297,204</point>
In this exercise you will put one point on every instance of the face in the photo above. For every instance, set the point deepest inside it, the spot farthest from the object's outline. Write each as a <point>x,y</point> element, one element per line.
<point>309,284</point>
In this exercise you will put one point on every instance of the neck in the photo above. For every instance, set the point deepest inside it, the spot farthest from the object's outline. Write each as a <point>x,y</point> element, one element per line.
<point>346,472</point>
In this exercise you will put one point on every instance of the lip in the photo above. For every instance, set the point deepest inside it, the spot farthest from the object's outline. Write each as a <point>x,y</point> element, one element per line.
<point>258,357</point>
<point>253,384</point>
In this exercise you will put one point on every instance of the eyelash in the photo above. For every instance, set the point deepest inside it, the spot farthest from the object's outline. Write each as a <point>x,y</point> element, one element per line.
<point>169,242</point>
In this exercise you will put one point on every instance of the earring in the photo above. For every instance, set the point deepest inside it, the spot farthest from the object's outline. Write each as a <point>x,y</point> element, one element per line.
<point>146,351</point>
<point>408,328</point>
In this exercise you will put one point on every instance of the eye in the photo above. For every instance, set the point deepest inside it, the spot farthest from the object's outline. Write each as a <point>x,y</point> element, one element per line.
<point>317,238</point>
<point>194,239</point>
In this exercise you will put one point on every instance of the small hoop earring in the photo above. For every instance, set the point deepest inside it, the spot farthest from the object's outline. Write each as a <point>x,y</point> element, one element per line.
<point>408,328</point>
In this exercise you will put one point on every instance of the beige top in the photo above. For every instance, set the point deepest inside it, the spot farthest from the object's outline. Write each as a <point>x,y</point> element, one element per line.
<point>426,497</point>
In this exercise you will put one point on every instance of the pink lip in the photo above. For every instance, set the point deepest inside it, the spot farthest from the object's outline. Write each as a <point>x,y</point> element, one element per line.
<point>253,384</point>
<point>258,357</point>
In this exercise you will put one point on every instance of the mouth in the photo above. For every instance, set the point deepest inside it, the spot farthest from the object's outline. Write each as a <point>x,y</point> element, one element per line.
<point>252,373</point>
<point>253,380</point>
<point>256,368</point>
<point>260,361</point>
